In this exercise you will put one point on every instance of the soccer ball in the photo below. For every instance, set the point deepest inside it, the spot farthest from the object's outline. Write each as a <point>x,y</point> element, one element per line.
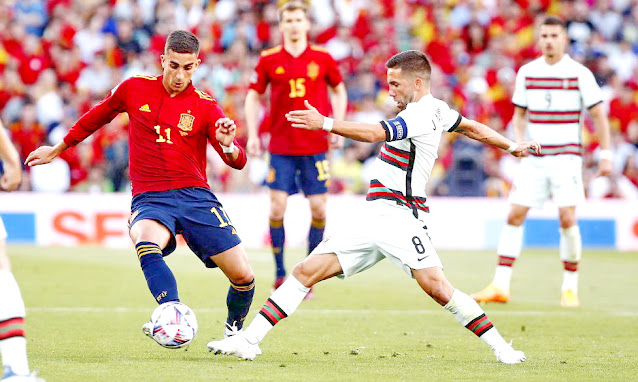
<point>173,325</point>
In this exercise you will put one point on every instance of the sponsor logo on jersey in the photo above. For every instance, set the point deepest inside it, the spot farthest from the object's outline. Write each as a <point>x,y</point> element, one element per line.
<point>280,70</point>
<point>312,70</point>
<point>145,108</point>
<point>186,122</point>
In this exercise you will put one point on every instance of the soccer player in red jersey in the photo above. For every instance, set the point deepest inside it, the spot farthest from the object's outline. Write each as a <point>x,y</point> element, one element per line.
<point>296,71</point>
<point>171,123</point>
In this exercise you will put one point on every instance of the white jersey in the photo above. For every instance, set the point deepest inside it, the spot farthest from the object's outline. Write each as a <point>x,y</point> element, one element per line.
<point>405,161</point>
<point>554,96</point>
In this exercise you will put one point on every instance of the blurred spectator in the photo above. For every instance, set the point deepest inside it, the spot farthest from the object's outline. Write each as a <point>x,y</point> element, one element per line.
<point>27,134</point>
<point>49,105</point>
<point>97,78</point>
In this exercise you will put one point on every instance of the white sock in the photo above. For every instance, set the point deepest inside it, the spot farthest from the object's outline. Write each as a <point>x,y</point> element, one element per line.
<point>571,244</point>
<point>465,310</point>
<point>13,349</point>
<point>281,304</point>
<point>570,281</point>
<point>571,251</point>
<point>509,245</point>
<point>502,277</point>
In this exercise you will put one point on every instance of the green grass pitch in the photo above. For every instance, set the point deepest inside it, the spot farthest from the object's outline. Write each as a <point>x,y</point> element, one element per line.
<point>85,308</point>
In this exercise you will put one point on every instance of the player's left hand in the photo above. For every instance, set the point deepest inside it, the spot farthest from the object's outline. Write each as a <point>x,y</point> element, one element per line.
<point>10,180</point>
<point>604,167</point>
<point>525,147</point>
<point>225,133</point>
<point>309,119</point>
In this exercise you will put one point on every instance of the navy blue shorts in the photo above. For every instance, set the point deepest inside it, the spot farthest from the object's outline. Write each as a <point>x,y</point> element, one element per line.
<point>193,212</point>
<point>294,173</point>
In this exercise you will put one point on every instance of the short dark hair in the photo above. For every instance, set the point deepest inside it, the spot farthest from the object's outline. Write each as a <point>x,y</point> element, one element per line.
<point>412,61</point>
<point>293,5</point>
<point>181,41</point>
<point>554,20</point>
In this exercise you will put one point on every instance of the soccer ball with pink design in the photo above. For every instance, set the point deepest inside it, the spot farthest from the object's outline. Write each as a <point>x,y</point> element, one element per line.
<point>173,325</point>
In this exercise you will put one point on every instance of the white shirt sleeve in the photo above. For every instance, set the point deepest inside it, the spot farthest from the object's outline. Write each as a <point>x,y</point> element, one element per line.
<point>415,121</point>
<point>519,97</point>
<point>589,89</point>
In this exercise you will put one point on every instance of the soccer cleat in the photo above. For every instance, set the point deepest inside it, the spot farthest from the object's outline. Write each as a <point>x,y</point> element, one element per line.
<point>491,294</point>
<point>310,295</point>
<point>278,281</point>
<point>10,376</point>
<point>508,355</point>
<point>147,329</point>
<point>231,330</point>
<point>569,299</point>
<point>236,345</point>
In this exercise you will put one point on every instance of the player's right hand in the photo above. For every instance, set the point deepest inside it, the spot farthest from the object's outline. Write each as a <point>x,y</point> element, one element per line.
<point>41,155</point>
<point>525,147</point>
<point>253,146</point>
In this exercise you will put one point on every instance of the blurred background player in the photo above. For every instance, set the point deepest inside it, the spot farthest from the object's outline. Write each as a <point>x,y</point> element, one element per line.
<point>549,96</point>
<point>395,227</point>
<point>13,345</point>
<point>171,123</point>
<point>296,71</point>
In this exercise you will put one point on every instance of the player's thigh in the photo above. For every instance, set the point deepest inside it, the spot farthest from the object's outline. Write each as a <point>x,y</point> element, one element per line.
<point>531,187</point>
<point>151,220</point>
<point>354,248</point>
<point>282,174</point>
<point>206,226</point>
<point>314,174</point>
<point>407,244</point>
<point>567,181</point>
<point>234,263</point>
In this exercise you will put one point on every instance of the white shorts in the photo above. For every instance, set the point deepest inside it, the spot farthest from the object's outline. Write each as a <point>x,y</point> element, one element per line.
<point>389,231</point>
<point>3,231</point>
<point>539,178</point>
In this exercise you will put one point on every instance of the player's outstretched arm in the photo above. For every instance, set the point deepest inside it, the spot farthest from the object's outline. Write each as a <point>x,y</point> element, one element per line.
<point>10,158</point>
<point>485,134</point>
<point>45,154</point>
<point>311,119</point>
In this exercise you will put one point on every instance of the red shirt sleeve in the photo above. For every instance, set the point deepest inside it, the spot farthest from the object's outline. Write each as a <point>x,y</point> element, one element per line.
<point>259,80</point>
<point>216,113</point>
<point>333,75</point>
<point>98,116</point>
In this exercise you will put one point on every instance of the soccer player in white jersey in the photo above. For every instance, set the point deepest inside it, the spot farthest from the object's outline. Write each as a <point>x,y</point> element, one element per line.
<point>395,226</point>
<point>13,345</point>
<point>550,93</point>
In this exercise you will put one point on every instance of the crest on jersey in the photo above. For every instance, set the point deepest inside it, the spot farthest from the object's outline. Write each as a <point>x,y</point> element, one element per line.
<point>186,122</point>
<point>565,83</point>
<point>312,70</point>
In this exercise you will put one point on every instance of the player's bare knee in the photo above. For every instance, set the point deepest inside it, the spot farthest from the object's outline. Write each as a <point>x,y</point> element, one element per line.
<point>306,274</point>
<point>243,277</point>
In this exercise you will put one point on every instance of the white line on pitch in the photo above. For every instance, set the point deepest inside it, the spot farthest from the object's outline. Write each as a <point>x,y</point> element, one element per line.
<point>322,311</point>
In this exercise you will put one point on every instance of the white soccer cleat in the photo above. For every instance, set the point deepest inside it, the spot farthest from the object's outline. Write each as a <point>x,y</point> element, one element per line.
<point>508,355</point>
<point>236,345</point>
<point>10,376</point>
<point>147,329</point>
<point>231,330</point>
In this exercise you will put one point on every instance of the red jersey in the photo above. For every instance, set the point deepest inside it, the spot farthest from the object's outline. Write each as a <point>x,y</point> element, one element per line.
<point>293,80</point>
<point>167,135</point>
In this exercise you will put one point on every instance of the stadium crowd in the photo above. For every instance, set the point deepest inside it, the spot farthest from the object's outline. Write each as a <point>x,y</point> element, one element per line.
<point>60,57</point>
